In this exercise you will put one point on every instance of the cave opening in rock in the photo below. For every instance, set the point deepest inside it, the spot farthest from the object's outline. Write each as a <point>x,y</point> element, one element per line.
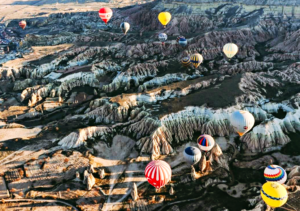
<point>280,114</point>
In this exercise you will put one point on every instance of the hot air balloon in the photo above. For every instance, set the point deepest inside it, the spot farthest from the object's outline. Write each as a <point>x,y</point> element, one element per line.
<point>125,27</point>
<point>274,194</point>
<point>192,155</point>
<point>164,18</point>
<point>158,173</point>
<point>274,173</point>
<point>178,38</point>
<point>163,37</point>
<point>196,59</point>
<point>22,24</point>
<point>242,121</point>
<point>205,142</point>
<point>105,14</point>
<point>185,61</point>
<point>230,50</point>
<point>182,41</point>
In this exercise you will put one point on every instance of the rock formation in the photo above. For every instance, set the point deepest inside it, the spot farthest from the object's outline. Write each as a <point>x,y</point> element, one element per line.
<point>101,173</point>
<point>134,192</point>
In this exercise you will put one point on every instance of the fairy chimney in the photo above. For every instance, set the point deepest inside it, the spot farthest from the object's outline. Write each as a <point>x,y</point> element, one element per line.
<point>193,173</point>
<point>134,192</point>
<point>202,163</point>
<point>171,191</point>
<point>101,173</point>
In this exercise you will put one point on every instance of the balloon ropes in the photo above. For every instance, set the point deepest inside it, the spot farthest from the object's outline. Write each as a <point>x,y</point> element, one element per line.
<point>242,121</point>
<point>105,13</point>
<point>158,173</point>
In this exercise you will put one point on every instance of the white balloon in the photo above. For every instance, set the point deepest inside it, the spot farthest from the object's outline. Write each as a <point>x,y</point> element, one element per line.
<point>125,27</point>
<point>230,50</point>
<point>242,121</point>
<point>162,37</point>
<point>192,155</point>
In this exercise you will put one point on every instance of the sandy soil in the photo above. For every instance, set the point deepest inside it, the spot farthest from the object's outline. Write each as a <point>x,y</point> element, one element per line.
<point>12,133</point>
<point>17,9</point>
<point>38,53</point>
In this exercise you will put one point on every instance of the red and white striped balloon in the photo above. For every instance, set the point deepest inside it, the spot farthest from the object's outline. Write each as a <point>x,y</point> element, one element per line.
<point>158,173</point>
<point>22,24</point>
<point>105,13</point>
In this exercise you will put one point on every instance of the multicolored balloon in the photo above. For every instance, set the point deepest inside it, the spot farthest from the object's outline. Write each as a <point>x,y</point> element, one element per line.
<point>179,37</point>
<point>164,18</point>
<point>185,61</point>
<point>230,50</point>
<point>205,142</point>
<point>274,194</point>
<point>158,173</point>
<point>23,24</point>
<point>192,155</point>
<point>274,173</point>
<point>196,59</point>
<point>125,27</point>
<point>105,13</point>
<point>242,121</point>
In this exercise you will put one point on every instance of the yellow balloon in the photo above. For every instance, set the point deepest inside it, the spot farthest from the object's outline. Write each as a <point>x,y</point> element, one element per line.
<point>230,50</point>
<point>196,59</point>
<point>274,194</point>
<point>164,18</point>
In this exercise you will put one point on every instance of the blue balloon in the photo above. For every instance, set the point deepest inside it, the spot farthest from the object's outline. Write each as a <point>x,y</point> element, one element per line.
<point>182,42</point>
<point>192,155</point>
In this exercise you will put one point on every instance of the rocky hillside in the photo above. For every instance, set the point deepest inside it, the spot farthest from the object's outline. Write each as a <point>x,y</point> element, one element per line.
<point>80,123</point>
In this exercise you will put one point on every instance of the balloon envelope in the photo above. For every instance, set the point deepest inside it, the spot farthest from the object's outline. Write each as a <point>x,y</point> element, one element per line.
<point>105,13</point>
<point>22,24</point>
<point>158,173</point>
<point>125,27</point>
<point>274,173</point>
<point>230,50</point>
<point>164,18</point>
<point>185,61</point>
<point>178,38</point>
<point>192,155</point>
<point>274,194</point>
<point>196,59</point>
<point>205,142</point>
<point>162,37</point>
<point>242,121</point>
<point>182,42</point>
